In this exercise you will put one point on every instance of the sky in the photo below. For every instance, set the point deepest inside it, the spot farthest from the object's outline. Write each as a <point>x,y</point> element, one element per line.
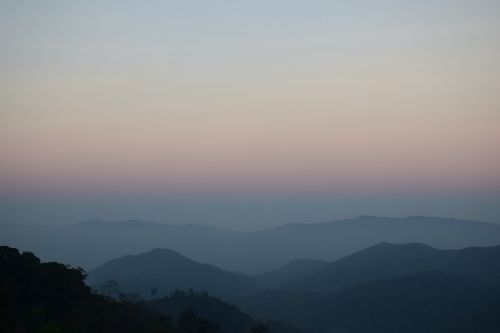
<point>248,114</point>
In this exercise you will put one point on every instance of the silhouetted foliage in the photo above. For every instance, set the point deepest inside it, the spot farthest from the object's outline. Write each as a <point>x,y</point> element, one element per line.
<point>51,297</point>
<point>111,289</point>
<point>40,297</point>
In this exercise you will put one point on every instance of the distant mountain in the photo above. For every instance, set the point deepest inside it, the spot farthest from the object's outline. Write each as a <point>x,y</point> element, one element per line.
<point>422,302</point>
<point>160,272</point>
<point>88,244</point>
<point>392,260</point>
<point>333,240</point>
<point>92,243</point>
<point>293,271</point>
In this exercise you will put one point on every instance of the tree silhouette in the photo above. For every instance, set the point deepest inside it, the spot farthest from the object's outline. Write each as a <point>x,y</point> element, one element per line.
<point>111,289</point>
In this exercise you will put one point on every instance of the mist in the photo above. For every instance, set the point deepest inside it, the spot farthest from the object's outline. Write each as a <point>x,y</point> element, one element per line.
<point>241,211</point>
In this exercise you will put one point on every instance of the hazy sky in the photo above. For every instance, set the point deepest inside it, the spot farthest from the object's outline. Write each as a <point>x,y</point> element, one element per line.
<point>249,113</point>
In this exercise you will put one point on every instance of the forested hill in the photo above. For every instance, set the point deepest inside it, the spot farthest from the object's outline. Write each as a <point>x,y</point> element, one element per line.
<point>50,297</point>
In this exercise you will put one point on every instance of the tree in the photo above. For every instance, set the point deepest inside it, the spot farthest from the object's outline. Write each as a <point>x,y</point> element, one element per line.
<point>111,289</point>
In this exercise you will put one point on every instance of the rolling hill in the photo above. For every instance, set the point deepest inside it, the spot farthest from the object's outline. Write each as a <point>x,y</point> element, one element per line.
<point>387,260</point>
<point>165,271</point>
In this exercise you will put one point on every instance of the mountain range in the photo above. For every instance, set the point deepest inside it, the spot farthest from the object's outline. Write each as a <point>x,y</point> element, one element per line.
<point>386,260</point>
<point>165,271</point>
<point>384,288</point>
<point>92,243</point>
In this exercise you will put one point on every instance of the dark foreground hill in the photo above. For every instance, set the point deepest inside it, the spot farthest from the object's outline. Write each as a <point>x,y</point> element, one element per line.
<point>90,244</point>
<point>50,297</point>
<point>53,298</point>
<point>227,316</point>
<point>423,302</point>
<point>162,271</point>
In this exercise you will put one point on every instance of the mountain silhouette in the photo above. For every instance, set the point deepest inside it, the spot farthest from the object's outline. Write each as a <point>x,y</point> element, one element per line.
<point>429,301</point>
<point>387,260</point>
<point>92,243</point>
<point>165,271</point>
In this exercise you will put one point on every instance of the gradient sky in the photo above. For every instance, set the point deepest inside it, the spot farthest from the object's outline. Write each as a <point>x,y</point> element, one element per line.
<point>249,113</point>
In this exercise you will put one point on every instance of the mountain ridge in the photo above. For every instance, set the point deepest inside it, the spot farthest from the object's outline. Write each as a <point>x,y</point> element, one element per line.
<point>387,260</point>
<point>87,244</point>
<point>166,270</point>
